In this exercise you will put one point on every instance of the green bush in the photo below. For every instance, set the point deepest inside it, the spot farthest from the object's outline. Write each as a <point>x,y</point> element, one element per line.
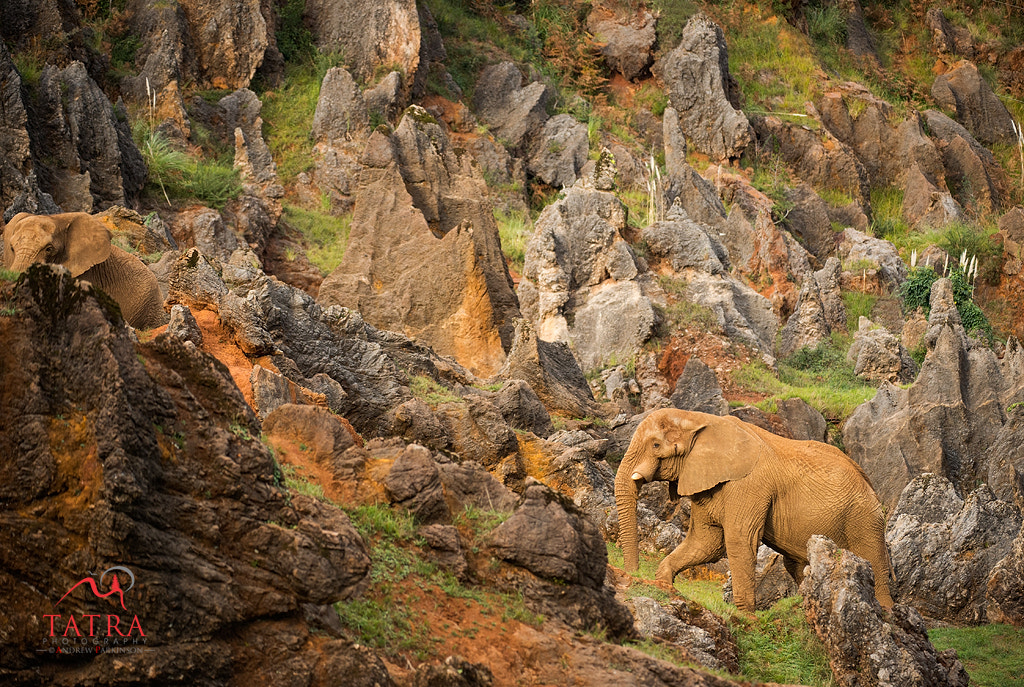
<point>916,291</point>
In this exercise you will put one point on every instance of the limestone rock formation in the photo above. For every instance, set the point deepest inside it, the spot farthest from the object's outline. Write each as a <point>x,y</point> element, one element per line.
<point>370,33</point>
<point>865,645</point>
<point>514,112</point>
<point>1005,595</point>
<point>566,558</point>
<point>696,77</point>
<point>944,548</point>
<point>807,326</point>
<point>972,174</point>
<point>157,444</point>
<point>211,44</point>
<point>580,268</point>
<point>945,423</point>
<point>626,38</point>
<point>670,623</point>
<point>685,243</point>
<point>698,389</point>
<point>858,248</point>
<point>877,355</point>
<point>424,256</point>
<point>963,90</point>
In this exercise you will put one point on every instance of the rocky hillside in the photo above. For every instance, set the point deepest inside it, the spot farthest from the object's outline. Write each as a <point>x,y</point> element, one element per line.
<point>427,266</point>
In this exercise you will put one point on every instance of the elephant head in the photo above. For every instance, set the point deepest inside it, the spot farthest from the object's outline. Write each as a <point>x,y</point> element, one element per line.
<point>76,240</point>
<point>697,449</point>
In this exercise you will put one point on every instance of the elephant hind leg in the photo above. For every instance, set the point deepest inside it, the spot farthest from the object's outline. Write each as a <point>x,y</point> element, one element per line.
<point>795,568</point>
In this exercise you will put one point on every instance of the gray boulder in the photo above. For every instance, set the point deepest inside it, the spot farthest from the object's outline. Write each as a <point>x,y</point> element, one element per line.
<point>808,220</point>
<point>857,247</point>
<point>91,160</point>
<point>184,326</point>
<point>1005,595</point>
<point>696,76</point>
<point>807,326</point>
<point>370,33</point>
<point>925,204</point>
<point>866,645</point>
<point>566,559</point>
<point>664,623</point>
<point>972,174</point>
<point>559,151</point>
<point>817,157</point>
<point>414,483</point>
<point>513,112</point>
<point>580,268</point>
<point>877,355</point>
<point>947,38</point>
<point>551,371</point>
<point>626,38</point>
<point>742,312</point>
<point>804,422</point>
<point>340,109</point>
<point>963,90</point>
<point>944,548</point>
<point>685,243</point>
<point>830,283</point>
<point>697,389</point>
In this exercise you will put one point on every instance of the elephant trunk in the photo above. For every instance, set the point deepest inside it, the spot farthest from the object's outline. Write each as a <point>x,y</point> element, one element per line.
<point>625,505</point>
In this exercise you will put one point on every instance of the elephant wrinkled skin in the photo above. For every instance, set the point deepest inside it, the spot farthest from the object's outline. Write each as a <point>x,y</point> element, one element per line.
<point>748,485</point>
<point>81,243</point>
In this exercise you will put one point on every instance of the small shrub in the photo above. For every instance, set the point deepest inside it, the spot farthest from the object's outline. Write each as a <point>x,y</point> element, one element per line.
<point>916,291</point>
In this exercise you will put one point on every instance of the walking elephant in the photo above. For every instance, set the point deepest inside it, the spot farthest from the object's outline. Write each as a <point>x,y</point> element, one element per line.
<point>748,485</point>
<point>81,243</point>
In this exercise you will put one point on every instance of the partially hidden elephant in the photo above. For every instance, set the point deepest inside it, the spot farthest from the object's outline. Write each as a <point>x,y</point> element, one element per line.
<point>748,486</point>
<point>81,243</point>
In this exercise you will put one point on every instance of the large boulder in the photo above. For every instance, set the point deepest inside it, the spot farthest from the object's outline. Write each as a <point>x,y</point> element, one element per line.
<point>697,389</point>
<point>886,150</point>
<point>684,243</point>
<point>675,623</point>
<point>565,559</point>
<point>559,151</point>
<point>944,548</point>
<point>91,161</point>
<point>925,204</point>
<point>215,45</point>
<point>743,313</point>
<point>944,423</point>
<point>626,37</point>
<point>580,269</point>
<point>550,370</point>
<point>877,355</point>
<point>865,644</point>
<point>15,151</point>
<point>964,91</point>
<point>972,174</point>
<point>514,113</point>
<point>857,248</point>
<point>424,257</point>
<point>370,33</point>
<point>1005,595</point>
<point>696,76</point>
<point>817,157</point>
<point>807,326</point>
<point>808,220</point>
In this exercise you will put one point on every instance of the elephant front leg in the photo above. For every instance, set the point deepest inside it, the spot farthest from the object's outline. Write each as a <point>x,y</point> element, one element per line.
<point>703,544</point>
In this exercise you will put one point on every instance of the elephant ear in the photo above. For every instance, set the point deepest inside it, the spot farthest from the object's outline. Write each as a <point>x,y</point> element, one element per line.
<point>87,242</point>
<point>720,452</point>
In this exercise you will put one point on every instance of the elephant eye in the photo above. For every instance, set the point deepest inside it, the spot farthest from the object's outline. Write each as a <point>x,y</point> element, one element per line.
<point>657,445</point>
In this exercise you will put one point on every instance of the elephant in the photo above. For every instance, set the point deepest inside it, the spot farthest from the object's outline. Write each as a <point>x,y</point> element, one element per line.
<point>748,486</point>
<point>81,243</point>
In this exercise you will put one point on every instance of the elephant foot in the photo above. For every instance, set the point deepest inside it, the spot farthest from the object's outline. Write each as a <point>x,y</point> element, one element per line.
<point>665,575</point>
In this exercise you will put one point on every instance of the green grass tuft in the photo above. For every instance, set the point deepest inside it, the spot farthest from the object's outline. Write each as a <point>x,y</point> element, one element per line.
<point>992,654</point>
<point>326,235</point>
<point>514,230</point>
